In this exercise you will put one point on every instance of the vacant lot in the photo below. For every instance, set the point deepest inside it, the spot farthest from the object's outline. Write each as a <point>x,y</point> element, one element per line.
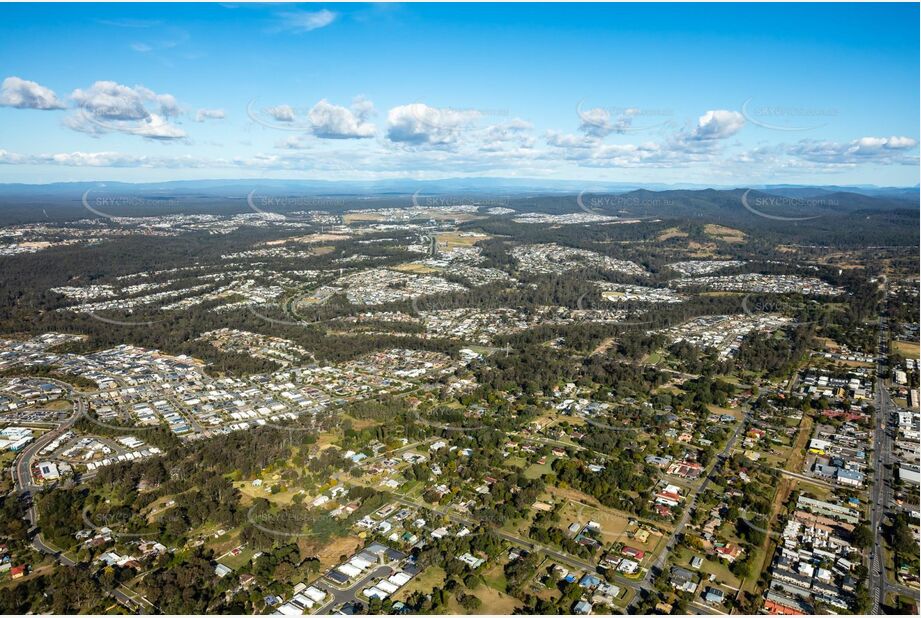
<point>451,240</point>
<point>906,348</point>
<point>722,232</point>
<point>494,602</point>
<point>671,232</point>
<point>430,578</point>
<point>330,553</point>
<point>412,267</point>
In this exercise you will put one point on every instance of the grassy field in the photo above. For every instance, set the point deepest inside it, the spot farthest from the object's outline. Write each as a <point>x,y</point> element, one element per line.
<point>516,462</point>
<point>430,578</point>
<point>285,497</point>
<point>710,567</point>
<point>537,470</point>
<point>418,269</point>
<point>671,232</point>
<point>494,602</point>
<point>452,240</point>
<point>240,560</point>
<point>655,358</point>
<point>721,232</point>
<point>906,348</point>
<point>734,412</point>
<point>494,577</point>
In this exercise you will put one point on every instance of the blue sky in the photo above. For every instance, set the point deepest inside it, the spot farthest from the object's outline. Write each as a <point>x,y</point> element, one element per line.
<point>723,94</point>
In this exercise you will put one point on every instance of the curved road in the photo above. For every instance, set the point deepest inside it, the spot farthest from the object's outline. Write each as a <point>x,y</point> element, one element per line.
<point>25,487</point>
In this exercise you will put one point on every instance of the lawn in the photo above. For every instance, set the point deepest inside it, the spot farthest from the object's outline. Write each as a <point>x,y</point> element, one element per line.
<point>240,560</point>
<point>494,577</point>
<point>655,358</point>
<point>537,470</point>
<point>718,568</point>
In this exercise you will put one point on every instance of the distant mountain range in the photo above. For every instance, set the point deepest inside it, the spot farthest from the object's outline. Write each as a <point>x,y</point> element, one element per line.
<point>382,188</point>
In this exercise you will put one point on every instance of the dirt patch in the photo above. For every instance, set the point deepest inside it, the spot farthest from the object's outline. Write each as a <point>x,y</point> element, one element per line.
<point>604,346</point>
<point>726,234</point>
<point>671,232</point>
<point>329,554</point>
<point>798,452</point>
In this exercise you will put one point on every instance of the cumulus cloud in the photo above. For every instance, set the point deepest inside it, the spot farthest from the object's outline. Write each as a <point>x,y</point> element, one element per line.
<point>568,140</point>
<point>420,125</point>
<point>209,114</point>
<point>107,106</point>
<point>281,113</point>
<point>872,145</point>
<point>330,121</point>
<point>303,21</point>
<point>865,149</point>
<point>25,94</point>
<point>718,124</point>
<point>112,101</point>
<point>514,130</point>
<point>598,122</point>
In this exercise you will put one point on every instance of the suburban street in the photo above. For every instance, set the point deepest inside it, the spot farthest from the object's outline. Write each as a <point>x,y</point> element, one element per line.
<point>25,488</point>
<point>662,558</point>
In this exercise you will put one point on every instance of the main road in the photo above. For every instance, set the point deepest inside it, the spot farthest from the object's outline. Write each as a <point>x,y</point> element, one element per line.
<point>880,491</point>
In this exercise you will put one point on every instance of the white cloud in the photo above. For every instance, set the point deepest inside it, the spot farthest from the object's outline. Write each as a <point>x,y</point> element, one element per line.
<point>568,140</point>
<point>96,159</point>
<point>513,130</point>
<point>330,121</point>
<point>718,124</point>
<point>421,125</point>
<point>142,48</point>
<point>25,94</point>
<point>107,106</point>
<point>881,144</point>
<point>865,149</point>
<point>281,113</point>
<point>596,122</point>
<point>599,122</point>
<point>304,21</point>
<point>107,100</point>
<point>209,114</point>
